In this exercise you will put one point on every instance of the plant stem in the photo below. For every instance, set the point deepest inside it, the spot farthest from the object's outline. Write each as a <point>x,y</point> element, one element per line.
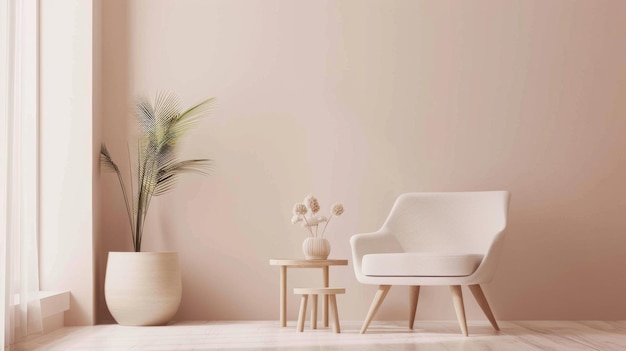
<point>326,225</point>
<point>125,195</point>
<point>308,226</point>
<point>141,211</point>
<point>132,192</point>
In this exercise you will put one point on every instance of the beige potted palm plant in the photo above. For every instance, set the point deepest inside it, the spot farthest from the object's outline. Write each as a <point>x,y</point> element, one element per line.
<point>145,288</point>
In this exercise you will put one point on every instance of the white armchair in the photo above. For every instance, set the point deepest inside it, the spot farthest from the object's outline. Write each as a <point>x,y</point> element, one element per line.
<point>451,238</point>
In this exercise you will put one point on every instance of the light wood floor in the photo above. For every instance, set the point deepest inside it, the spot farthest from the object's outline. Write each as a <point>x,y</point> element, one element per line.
<point>435,336</point>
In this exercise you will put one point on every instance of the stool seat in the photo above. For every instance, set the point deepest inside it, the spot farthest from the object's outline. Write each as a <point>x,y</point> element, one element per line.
<point>313,292</point>
<point>319,291</point>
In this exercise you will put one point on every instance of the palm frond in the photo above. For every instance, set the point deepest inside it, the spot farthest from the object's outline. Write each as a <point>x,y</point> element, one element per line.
<point>167,109</point>
<point>187,119</point>
<point>169,175</point>
<point>107,161</point>
<point>145,115</point>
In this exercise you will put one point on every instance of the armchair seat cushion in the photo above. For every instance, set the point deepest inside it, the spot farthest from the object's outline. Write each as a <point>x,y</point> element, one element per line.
<point>420,264</point>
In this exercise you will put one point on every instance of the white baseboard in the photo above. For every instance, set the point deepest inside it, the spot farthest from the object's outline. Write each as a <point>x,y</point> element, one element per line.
<point>53,307</point>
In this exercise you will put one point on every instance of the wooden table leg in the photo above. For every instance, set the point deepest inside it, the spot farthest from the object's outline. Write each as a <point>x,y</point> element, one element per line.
<point>325,300</point>
<point>283,296</point>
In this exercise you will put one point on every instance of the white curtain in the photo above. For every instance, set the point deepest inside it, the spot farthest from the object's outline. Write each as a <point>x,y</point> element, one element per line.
<point>19,283</point>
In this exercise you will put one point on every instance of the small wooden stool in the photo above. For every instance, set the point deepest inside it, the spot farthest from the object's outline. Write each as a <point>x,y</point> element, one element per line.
<point>305,292</point>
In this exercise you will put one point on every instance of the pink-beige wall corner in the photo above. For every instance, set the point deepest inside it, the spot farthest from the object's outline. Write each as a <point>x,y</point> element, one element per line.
<point>358,102</point>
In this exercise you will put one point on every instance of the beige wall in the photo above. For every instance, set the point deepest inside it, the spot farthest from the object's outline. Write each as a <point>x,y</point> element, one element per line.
<point>359,101</point>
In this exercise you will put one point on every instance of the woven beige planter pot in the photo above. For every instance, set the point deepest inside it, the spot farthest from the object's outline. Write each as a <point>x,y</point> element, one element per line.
<point>143,288</point>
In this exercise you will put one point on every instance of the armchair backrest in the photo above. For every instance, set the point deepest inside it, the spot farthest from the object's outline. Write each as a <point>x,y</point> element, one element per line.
<point>448,221</point>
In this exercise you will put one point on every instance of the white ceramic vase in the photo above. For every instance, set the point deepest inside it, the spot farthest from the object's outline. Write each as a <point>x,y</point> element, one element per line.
<point>143,288</point>
<point>316,248</point>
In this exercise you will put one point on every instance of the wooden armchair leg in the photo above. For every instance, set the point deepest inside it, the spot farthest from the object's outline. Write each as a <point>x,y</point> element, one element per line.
<point>378,300</point>
<point>414,293</point>
<point>477,291</point>
<point>457,298</point>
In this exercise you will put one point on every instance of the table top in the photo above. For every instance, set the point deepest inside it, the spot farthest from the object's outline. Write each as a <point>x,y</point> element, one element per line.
<point>307,263</point>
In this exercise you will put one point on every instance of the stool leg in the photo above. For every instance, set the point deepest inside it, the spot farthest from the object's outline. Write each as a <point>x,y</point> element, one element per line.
<point>333,304</point>
<point>302,314</point>
<point>314,311</point>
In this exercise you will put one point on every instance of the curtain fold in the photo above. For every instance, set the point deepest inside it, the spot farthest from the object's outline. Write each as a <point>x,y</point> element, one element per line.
<point>19,219</point>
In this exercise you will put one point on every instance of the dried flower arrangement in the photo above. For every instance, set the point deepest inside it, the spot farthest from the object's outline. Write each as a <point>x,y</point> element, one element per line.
<point>311,207</point>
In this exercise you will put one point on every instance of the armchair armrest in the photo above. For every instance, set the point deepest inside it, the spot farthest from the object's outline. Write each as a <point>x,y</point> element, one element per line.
<point>487,268</point>
<point>367,243</point>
